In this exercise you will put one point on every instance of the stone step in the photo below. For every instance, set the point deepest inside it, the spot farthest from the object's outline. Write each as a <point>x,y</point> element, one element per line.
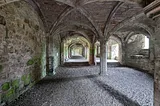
<point>113,64</point>
<point>70,64</point>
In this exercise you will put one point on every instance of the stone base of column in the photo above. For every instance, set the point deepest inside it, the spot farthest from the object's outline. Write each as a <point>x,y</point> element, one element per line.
<point>156,95</point>
<point>103,71</point>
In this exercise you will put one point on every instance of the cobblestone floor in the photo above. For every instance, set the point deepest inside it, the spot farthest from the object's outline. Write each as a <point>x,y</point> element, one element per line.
<point>84,87</point>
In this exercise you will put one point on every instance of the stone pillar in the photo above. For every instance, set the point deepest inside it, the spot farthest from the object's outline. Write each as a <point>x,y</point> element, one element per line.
<point>154,12</point>
<point>86,53</point>
<point>83,51</point>
<point>123,53</point>
<point>47,55</point>
<point>97,50</point>
<point>157,64</point>
<point>69,52</point>
<point>62,53</point>
<point>91,56</point>
<point>151,55</point>
<point>103,57</point>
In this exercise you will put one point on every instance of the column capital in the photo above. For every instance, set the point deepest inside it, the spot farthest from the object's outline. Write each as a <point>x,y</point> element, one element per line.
<point>103,39</point>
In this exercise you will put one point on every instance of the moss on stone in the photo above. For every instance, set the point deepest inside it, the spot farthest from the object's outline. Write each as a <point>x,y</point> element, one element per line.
<point>34,60</point>
<point>30,62</point>
<point>23,77</point>
<point>26,79</point>
<point>1,68</point>
<point>5,86</point>
<point>15,83</point>
<point>10,93</point>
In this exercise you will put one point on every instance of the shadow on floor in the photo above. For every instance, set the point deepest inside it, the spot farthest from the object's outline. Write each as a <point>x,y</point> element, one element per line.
<point>116,94</point>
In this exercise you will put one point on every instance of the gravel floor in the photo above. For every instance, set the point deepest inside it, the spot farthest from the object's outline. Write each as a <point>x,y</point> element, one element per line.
<point>82,86</point>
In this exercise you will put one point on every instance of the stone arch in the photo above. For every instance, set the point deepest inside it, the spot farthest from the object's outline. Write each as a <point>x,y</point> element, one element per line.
<point>72,41</point>
<point>134,33</point>
<point>119,42</point>
<point>65,27</point>
<point>133,25</point>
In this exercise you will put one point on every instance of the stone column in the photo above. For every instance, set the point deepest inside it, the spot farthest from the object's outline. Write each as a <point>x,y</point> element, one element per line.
<point>103,57</point>
<point>47,55</point>
<point>97,49</point>
<point>83,51</point>
<point>69,52</point>
<point>123,53</point>
<point>91,56</point>
<point>154,13</point>
<point>86,53</point>
<point>62,53</point>
<point>151,55</point>
<point>157,63</point>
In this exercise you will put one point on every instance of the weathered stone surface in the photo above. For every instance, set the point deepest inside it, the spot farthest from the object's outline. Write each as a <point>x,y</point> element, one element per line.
<point>23,55</point>
<point>22,37</point>
<point>157,64</point>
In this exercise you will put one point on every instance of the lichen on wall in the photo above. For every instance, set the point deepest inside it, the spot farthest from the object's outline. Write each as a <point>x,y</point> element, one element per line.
<point>22,49</point>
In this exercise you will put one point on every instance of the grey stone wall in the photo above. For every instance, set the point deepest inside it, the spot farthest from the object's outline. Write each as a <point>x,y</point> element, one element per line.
<point>134,57</point>
<point>22,49</point>
<point>157,63</point>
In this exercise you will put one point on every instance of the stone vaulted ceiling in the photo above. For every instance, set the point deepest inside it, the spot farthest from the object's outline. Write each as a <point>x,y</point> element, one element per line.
<point>98,17</point>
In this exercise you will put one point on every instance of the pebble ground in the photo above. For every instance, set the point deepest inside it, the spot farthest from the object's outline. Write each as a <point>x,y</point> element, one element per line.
<point>82,86</point>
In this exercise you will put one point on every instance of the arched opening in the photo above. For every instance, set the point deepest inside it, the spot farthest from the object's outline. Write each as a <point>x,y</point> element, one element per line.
<point>139,44</point>
<point>112,50</point>
<point>138,51</point>
<point>76,49</point>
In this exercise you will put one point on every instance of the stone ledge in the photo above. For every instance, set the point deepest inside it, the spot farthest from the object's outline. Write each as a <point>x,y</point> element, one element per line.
<point>139,57</point>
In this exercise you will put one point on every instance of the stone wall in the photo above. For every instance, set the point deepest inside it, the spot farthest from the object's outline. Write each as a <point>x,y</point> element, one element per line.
<point>157,63</point>
<point>136,56</point>
<point>22,49</point>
